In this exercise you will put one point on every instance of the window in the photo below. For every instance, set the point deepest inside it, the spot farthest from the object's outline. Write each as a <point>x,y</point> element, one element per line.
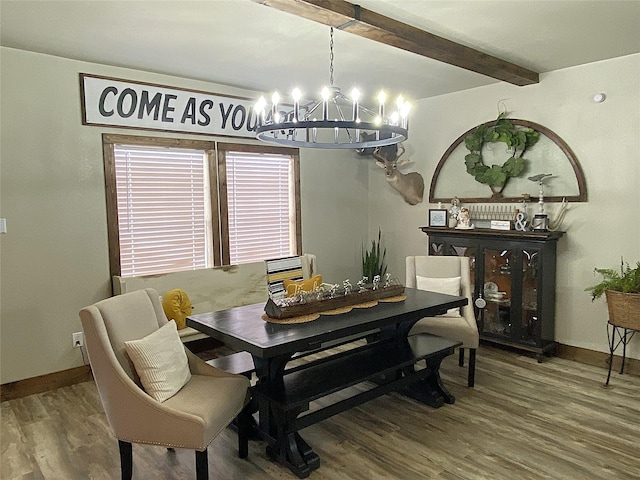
<point>260,205</point>
<point>175,205</point>
<point>163,213</point>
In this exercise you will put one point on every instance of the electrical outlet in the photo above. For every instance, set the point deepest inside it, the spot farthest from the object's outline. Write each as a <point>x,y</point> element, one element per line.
<point>77,339</point>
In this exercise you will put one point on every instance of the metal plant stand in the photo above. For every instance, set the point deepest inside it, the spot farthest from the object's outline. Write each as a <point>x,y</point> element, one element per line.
<point>617,335</point>
<point>624,322</point>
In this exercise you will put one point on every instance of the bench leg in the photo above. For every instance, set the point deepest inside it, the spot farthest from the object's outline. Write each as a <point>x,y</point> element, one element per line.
<point>471,378</point>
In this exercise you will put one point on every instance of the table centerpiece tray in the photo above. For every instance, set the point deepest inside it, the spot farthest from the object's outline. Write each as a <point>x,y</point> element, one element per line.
<point>305,305</point>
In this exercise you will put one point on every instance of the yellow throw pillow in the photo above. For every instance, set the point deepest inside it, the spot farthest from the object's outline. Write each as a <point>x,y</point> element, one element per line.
<point>294,287</point>
<point>177,306</point>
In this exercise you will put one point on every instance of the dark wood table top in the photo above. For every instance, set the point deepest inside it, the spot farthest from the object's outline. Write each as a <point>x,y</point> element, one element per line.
<point>243,328</point>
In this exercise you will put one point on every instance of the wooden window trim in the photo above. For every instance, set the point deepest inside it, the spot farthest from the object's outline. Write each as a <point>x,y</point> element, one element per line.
<point>223,148</point>
<point>217,178</point>
<point>108,142</point>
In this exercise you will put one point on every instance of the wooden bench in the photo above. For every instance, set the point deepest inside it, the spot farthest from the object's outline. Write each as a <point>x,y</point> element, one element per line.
<point>387,364</point>
<point>240,363</point>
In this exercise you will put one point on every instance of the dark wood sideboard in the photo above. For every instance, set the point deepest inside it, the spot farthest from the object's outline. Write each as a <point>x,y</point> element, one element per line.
<point>515,273</point>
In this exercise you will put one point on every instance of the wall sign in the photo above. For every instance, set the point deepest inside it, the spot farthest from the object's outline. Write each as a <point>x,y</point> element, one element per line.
<point>124,103</point>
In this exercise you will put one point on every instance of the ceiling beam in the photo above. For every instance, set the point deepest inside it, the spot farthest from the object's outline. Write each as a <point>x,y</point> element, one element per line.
<point>365,23</point>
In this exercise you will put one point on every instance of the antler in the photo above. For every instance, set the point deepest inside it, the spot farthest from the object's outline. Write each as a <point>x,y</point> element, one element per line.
<point>377,156</point>
<point>388,153</point>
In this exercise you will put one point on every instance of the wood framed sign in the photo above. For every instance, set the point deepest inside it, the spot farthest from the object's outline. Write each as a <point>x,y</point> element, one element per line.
<point>122,103</point>
<point>438,217</point>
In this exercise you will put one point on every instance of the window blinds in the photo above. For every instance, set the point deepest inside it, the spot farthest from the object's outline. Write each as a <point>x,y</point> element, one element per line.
<point>261,210</point>
<point>164,218</point>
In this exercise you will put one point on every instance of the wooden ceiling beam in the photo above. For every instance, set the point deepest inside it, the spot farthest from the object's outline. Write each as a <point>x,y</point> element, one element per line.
<point>351,18</point>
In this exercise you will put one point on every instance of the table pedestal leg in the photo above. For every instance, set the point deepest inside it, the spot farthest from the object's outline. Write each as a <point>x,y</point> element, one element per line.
<point>291,450</point>
<point>286,446</point>
<point>431,391</point>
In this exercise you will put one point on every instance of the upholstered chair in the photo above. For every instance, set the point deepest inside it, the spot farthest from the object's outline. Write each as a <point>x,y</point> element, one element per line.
<point>116,331</point>
<point>447,274</point>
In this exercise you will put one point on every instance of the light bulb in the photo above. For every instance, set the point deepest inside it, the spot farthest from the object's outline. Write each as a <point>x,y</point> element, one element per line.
<point>275,98</point>
<point>325,103</point>
<point>355,94</point>
<point>259,106</point>
<point>381,98</point>
<point>296,94</point>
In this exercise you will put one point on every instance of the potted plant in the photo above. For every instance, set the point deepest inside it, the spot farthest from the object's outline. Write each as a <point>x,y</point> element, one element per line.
<point>622,291</point>
<point>373,260</point>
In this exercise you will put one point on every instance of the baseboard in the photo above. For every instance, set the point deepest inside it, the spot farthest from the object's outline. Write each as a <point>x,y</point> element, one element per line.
<point>598,359</point>
<point>44,383</point>
<point>51,381</point>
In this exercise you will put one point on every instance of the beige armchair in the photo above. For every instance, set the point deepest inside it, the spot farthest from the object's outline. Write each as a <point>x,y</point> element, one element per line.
<point>438,273</point>
<point>191,418</point>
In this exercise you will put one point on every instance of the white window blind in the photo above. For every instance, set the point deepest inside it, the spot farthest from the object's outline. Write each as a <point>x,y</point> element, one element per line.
<point>164,218</point>
<point>261,207</point>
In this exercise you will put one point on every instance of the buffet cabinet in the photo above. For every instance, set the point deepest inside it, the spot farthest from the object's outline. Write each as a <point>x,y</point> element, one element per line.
<point>513,277</point>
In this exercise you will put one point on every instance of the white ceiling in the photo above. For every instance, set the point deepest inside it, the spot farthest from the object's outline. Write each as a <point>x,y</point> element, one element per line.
<point>248,45</point>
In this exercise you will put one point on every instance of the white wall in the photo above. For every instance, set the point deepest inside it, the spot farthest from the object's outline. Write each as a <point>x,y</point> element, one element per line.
<point>604,138</point>
<point>54,258</point>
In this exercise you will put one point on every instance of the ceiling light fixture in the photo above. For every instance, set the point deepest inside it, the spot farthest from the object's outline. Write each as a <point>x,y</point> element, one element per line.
<point>331,121</point>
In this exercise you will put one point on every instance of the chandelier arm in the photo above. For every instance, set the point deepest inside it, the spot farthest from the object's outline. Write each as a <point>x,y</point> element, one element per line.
<point>341,114</point>
<point>339,110</point>
<point>310,110</point>
<point>368,111</point>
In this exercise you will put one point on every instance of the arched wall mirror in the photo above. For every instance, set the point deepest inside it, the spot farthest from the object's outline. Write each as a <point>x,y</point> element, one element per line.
<point>550,154</point>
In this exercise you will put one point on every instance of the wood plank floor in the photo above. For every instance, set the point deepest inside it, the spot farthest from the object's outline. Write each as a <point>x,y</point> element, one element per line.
<point>523,420</point>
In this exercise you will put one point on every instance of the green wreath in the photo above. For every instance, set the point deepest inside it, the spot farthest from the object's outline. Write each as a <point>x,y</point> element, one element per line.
<point>517,140</point>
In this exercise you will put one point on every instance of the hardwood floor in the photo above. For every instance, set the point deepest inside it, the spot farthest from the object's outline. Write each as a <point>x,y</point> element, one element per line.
<point>523,420</point>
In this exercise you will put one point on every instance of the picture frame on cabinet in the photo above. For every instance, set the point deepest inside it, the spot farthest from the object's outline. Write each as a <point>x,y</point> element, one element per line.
<point>438,217</point>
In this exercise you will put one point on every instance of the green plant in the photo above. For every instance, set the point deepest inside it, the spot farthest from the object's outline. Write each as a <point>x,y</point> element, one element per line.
<point>373,261</point>
<point>517,141</point>
<point>625,281</point>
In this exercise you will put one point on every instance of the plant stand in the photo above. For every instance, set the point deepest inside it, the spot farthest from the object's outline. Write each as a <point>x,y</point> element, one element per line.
<point>617,335</point>
<point>624,322</point>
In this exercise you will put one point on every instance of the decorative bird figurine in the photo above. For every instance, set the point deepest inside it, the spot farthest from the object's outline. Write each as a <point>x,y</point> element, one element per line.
<point>539,177</point>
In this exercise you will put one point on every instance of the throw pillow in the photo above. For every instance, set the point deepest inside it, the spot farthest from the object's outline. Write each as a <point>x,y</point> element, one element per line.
<point>177,307</point>
<point>160,361</point>
<point>294,287</point>
<point>447,286</point>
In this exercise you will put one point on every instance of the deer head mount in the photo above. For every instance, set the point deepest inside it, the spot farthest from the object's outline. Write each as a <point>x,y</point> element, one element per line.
<point>411,185</point>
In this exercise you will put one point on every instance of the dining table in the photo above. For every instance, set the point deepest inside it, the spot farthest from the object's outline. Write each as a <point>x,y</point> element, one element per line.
<point>359,354</point>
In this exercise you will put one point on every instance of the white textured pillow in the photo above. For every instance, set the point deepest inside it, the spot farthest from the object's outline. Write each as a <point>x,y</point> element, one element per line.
<point>448,286</point>
<point>160,361</point>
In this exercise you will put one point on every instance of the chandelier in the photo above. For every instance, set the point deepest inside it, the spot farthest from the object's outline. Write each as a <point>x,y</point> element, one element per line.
<point>334,120</point>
